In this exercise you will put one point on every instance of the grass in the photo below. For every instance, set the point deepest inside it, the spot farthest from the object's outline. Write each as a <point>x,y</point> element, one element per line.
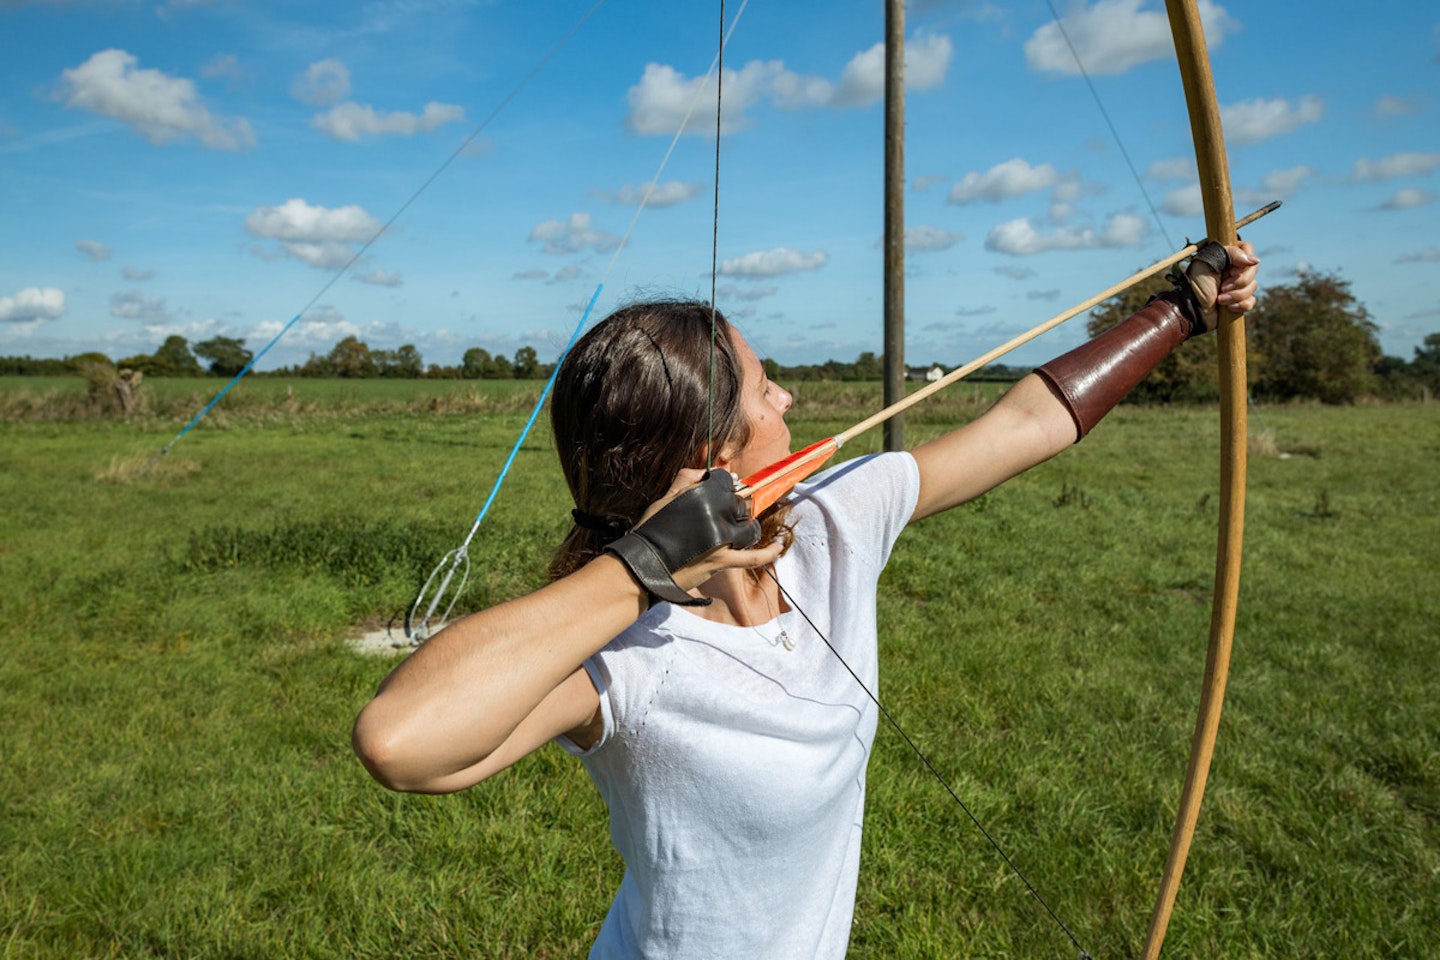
<point>178,781</point>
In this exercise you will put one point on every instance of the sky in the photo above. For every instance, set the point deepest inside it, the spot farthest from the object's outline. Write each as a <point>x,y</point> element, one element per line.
<point>213,167</point>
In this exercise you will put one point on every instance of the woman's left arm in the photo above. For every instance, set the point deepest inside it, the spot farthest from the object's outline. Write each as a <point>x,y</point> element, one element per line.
<point>1038,417</point>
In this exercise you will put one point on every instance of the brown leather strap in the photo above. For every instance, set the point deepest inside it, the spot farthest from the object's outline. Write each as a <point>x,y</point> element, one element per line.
<point>1091,379</point>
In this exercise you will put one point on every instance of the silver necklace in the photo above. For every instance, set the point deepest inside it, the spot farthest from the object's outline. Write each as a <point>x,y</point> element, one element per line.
<point>783,639</point>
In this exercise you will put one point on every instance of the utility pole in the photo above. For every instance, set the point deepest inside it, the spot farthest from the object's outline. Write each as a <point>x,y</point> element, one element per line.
<point>894,218</point>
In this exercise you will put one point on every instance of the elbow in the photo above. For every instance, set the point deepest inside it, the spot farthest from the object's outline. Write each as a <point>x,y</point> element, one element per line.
<point>381,749</point>
<point>400,763</point>
<point>377,750</point>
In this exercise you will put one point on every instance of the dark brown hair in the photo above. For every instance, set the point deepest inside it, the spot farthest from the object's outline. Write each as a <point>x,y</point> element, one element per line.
<point>633,402</point>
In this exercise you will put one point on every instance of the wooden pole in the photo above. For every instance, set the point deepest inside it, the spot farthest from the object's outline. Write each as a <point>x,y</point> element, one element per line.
<point>894,218</point>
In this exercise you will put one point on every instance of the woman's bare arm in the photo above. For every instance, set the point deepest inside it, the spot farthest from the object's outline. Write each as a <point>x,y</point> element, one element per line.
<point>1030,424</point>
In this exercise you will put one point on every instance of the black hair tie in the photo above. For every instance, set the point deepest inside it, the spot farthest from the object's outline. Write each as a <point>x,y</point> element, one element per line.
<point>611,527</point>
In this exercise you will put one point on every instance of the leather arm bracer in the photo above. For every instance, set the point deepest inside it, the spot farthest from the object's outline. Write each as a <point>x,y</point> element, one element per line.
<point>1091,379</point>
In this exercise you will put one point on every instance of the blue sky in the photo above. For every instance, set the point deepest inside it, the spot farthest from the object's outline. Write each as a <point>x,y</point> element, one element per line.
<point>203,167</point>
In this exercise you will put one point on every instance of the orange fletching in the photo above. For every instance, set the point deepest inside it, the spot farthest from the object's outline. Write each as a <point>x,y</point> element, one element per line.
<point>767,485</point>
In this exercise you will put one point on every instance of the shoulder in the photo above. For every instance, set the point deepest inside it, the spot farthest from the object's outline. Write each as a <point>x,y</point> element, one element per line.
<point>883,487</point>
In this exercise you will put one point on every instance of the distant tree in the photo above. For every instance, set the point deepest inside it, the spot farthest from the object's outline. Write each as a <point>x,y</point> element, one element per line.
<point>1397,380</point>
<point>772,368</point>
<point>227,355</point>
<point>143,362</point>
<point>1315,341</point>
<point>475,362</point>
<point>316,366</point>
<point>1426,365</point>
<point>81,359</point>
<point>408,363</point>
<point>351,358</point>
<point>867,366</point>
<point>174,358</point>
<point>527,364</point>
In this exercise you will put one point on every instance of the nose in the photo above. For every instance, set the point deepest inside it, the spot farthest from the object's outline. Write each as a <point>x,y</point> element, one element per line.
<point>784,401</point>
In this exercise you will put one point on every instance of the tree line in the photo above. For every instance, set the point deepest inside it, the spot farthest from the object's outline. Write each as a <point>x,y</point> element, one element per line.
<point>1310,339</point>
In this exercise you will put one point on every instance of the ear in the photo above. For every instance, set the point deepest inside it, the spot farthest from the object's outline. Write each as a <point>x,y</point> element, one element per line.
<point>722,461</point>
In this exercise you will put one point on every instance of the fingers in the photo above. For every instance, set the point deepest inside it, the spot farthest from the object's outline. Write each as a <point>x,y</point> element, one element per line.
<point>1239,285</point>
<point>684,480</point>
<point>726,558</point>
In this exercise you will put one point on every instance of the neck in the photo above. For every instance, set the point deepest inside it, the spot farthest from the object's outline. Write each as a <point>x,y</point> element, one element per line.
<point>743,598</point>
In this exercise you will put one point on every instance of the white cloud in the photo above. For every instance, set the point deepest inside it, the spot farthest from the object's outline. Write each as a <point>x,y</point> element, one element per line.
<point>530,275</point>
<point>324,82</point>
<point>1175,168</point>
<point>1012,178</point>
<point>1390,105</point>
<point>137,275</point>
<point>927,58</point>
<point>1015,273</point>
<point>573,235</point>
<point>1428,255</point>
<point>773,263</point>
<point>663,98</point>
<point>33,305</point>
<point>223,66</point>
<point>974,311</point>
<point>322,327</point>
<point>380,278</point>
<point>1070,189</point>
<point>350,121</point>
<point>1114,35</point>
<point>668,194</point>
<point>1252,121</point>
<point>1186,201</point>
<point>1283,183</point>
<point>792,91</point>
<point>317,235</point>
<point>749,292</point>
<point>1407,198</point>
<point>930,238</point>
<point>160,108</point>
<point>1021,238</point>
<point>134,305</point>
<point>571,271</point>
<point>1396,165</point>
<point>94,249</point>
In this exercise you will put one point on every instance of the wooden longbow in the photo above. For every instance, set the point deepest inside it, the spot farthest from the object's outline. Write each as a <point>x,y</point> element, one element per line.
<point>1194,61</point>
<point>1214,172</point>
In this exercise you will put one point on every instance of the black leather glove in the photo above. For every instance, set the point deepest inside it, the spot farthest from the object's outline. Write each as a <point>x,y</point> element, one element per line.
<point>696,522</point>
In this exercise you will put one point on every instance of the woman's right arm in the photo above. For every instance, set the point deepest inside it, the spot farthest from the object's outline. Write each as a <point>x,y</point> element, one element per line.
<point>496,685</point>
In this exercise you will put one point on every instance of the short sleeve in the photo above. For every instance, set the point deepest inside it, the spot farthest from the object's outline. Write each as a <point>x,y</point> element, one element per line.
<point>607,713</point>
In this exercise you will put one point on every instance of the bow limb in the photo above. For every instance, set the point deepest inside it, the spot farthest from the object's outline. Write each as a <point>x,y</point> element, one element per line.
<point>1214,171</point>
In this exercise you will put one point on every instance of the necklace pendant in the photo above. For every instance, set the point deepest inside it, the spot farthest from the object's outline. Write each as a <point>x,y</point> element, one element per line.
<point>786,641</point>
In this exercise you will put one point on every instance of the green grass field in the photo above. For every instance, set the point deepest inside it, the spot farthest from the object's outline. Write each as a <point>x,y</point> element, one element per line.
<point>176,778</point>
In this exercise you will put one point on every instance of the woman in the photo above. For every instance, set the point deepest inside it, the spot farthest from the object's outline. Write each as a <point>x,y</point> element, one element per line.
<point>727,739</point>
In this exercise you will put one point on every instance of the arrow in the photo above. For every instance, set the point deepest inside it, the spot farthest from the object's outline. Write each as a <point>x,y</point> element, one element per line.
<point>766,486</point>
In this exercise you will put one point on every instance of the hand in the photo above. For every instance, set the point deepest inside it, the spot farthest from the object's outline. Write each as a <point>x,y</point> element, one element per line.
<point>1235,290</point>
<point>691,534</point>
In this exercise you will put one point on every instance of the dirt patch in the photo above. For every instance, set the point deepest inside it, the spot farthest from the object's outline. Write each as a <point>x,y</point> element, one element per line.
<point>380,640</point>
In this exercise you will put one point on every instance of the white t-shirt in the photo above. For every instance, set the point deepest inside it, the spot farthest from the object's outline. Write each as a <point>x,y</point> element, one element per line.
<point>734,768</point>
